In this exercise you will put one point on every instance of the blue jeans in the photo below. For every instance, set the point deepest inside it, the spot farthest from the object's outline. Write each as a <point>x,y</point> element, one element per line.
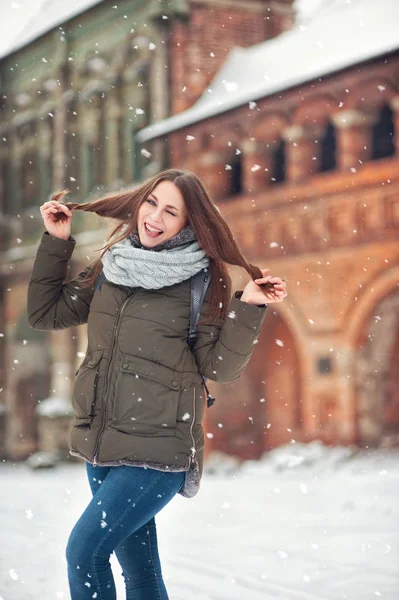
<point>120,519</point>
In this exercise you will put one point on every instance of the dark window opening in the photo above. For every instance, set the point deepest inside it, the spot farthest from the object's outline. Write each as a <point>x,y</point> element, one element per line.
<point>235,175</point>
<point>136,157</point>
<point>383,135</point>
<point>328,152</point>
<point>278,163</point>
<point>324,365</point>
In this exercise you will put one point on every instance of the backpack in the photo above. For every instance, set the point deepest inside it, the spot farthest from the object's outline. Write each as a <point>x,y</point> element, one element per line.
<point>199,284</point>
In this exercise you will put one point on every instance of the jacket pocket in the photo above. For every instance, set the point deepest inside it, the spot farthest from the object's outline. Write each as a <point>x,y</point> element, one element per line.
<point>85,387</point>
<point>146,398</point>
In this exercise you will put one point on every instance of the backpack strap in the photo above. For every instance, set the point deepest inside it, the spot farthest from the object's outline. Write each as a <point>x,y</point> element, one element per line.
<point>199,287</point>
<point>100,280</point>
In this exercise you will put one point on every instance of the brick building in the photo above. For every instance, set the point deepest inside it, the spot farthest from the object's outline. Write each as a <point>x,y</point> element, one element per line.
<point>297,140</point>
<point>77,84</point>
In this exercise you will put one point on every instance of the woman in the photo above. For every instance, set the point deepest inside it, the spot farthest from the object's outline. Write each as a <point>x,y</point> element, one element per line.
<point>138,395</point>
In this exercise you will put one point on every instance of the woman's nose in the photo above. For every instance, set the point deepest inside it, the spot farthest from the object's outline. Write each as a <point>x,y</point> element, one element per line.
<point>157,214</point>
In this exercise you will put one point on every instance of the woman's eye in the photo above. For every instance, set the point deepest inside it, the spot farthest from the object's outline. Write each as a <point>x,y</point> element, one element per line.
<point>173,214</point>
<point>150,201</point>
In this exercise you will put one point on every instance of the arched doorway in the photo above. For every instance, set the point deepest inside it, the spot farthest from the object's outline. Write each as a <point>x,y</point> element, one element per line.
<point>274,377</point>
<point>377,375</point>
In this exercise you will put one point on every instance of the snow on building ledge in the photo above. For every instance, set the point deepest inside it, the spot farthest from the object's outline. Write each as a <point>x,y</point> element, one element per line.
<point>55,407</point>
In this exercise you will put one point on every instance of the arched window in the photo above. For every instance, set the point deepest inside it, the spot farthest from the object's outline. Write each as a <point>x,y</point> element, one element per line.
<point>278,163</point>
<point>383,135</point>
<point>235,175</point>
<point>328,150</point>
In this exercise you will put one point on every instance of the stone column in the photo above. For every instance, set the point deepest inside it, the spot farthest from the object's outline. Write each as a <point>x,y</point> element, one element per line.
<point>215,174</point>
<point>59,169</point>
<point>354,138</point>
<point>302,152</point>
<point>16,168</point>
<point>87,131</point>
<point>113,127</point>
<point>257,165</point>
<point>44,154</point>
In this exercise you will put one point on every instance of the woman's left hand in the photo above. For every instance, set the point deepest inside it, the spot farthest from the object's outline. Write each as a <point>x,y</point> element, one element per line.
<point>254,294</point>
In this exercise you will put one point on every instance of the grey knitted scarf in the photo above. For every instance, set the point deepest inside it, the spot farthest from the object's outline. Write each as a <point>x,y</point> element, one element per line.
<point>179,258</point>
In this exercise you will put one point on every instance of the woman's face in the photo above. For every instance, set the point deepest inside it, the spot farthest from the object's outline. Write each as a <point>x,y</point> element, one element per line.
<point>162,215</point>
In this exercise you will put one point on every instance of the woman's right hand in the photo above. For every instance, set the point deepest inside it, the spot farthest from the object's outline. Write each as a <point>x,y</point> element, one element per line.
<point>57,219</point>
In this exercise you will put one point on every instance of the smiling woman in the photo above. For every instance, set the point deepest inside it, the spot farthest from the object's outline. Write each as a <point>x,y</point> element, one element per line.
<point>138,396</point>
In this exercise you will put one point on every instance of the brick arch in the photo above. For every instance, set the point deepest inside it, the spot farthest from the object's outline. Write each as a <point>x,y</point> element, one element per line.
<point>370,95</point>
<point>376,291</point>
<point>315,111</point>
<point>275,376</point>
<point>374,339</point>
<point>268,127</point>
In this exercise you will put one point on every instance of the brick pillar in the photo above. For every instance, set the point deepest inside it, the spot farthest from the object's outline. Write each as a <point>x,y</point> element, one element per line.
<point>395,108</point>
<point>354,138</point>
<point>216,177</point>
<point>302,152</point>
<point>257,166</point>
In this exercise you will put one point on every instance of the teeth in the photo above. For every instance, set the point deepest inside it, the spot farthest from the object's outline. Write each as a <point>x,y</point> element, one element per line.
<point>152,228</point>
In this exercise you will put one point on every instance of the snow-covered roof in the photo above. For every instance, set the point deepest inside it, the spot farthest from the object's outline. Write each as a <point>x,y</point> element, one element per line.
<point>26,20</point>
<point>340,34</point>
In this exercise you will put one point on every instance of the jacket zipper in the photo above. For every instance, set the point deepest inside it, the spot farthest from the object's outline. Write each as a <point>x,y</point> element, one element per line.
<point>95,394</point>
<point>114,338</point>
<point>193,450</point>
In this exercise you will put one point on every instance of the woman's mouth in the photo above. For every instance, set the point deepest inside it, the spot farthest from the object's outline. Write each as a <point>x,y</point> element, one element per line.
<point>151,231</point>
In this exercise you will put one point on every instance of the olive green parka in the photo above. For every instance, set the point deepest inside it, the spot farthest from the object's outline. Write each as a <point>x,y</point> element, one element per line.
<point>138,395</point>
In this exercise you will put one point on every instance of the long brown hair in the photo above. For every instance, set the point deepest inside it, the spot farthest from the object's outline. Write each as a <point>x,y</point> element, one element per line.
<point>212,232</point>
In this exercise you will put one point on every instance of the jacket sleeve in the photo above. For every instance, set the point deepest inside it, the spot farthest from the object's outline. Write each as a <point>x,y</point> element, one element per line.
<point>53,304</point>
<point>222,351</point>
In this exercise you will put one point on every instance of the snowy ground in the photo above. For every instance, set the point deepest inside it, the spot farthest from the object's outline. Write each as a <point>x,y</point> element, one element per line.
<point>306,523</point>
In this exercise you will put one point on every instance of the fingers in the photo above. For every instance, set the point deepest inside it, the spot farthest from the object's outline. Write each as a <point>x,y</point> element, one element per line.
<point>278,290</point>
<point>53,207</point>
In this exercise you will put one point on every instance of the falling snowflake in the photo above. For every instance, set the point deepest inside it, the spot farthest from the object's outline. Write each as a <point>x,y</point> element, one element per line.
<point>232,314</point>
<point>186,416</point>
<point>279,342</point>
